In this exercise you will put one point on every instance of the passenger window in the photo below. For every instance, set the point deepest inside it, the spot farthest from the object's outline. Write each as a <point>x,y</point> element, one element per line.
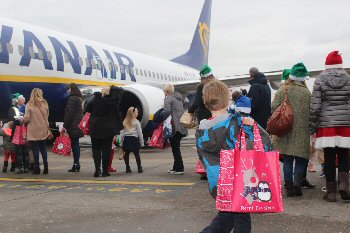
<point>157,75</point>
<point>20,50</point>
<point>161,75</point>
<point>87,61</point>
<point>153,75</point>
<point>9,48</point>
<point>141,72</point>
<point>137,71</point>
<point>145,72</point>
<point>149,74</point>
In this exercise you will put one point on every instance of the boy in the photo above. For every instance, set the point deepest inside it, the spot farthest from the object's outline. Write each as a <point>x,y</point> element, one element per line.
<point>221,132</point>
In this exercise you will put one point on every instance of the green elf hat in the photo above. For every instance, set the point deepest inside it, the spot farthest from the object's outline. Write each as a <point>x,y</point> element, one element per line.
<point>205,72</point>
<point>299,72</point>
<point>285,74</point>
<point>16,96</point>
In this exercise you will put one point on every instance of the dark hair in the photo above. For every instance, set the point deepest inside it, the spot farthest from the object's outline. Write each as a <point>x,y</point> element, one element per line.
<point>74,90</point>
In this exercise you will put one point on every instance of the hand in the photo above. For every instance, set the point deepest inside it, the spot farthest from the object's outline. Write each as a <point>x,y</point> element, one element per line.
<point>248,121</point>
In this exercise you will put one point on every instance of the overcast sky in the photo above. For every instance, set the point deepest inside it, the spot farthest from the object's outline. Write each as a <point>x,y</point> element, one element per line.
<point>269,34</point>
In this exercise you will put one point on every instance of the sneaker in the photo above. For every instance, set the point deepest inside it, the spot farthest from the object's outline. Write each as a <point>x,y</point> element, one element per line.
<point>324,189</point>
<point>177,173</point>
<point>322,174</point>
<point>171,171</point>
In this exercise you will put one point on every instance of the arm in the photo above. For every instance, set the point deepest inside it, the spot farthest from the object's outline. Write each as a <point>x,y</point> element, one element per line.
<point>89,104</point>
<point>122,134</point>
<point>167,107</point>
<point>68,115</point>
<point>315,106</point>
<point>198,99</point>
<point>27,116</point>
<point>139,132</point>
<point>254,95</point>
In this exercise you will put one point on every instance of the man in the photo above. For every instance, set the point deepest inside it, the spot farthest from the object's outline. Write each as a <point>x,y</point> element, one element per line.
<point>18,107</point>
<point>260,94</point>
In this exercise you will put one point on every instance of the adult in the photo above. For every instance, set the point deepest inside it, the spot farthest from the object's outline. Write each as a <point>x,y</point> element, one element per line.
<point>105,123</point>
<point>37,119</point>
<point>173,107</point>
<point>72,117</point>
<point>260,94</point>
<point>198,106</point>
<point>330,120</point>
<point>17,102</point>
<point>295,146</point>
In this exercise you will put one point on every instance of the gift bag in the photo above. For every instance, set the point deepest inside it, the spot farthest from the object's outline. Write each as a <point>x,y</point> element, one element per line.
<point>167,130</point>
<point>84,124</point>
<point>188,120</point>
<point>20,135</point>
<point>199,168</point>
<point>157,139</point>
<point>249,181</point>
<point>62,145</point>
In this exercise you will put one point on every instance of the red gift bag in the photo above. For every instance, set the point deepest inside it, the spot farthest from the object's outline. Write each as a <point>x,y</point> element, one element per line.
<point>157,139</point>
<point>199,168</point>
<point>249,181</point>
<point>84,124</point>
<point>20,135</point>
<point>62,145</point>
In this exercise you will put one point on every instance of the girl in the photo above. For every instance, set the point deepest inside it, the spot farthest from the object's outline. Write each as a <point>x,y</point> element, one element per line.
<point>131,138</point>
<point>8,146</point>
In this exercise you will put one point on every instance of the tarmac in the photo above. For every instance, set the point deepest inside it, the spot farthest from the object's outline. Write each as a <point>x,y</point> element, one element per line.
<point>153,201</point>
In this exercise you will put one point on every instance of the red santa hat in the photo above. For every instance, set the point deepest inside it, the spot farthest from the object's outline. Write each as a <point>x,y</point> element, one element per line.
<point>334,60</point>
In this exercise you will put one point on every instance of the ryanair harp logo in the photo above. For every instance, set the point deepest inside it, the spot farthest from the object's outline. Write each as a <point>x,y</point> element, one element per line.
<point>204,33</point>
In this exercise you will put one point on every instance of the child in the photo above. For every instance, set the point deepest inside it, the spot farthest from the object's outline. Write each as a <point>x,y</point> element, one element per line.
<point>221,132</point>
<point>8,146</point>
<point>131,138</point>
<point>111,157</point>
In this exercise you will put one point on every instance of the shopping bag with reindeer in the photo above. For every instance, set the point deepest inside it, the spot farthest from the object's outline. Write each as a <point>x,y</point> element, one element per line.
<point>249,180</point>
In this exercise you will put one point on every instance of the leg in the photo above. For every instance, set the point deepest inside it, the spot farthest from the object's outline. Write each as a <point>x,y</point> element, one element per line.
<point>111,157</point>
<point>126,160</point>
<point>96,153</point>
<point>13,162</point>
<point>76,155</point>
<point>106,152</point>
<point>19,156</point>
<point>6,162</point>
<point>330,171</point>
<point>299,172</point>
<point>242,223</point>
<point>25,156</point>
<point>175,147</point>
<point>343,173</point>
<point>42,146</point>
<point>305,182</point>
<point>222,223</point>
<point>288,174</point>
<point>35,148</point>
<point>138,161</point>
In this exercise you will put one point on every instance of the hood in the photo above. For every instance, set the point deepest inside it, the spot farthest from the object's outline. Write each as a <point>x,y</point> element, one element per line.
<point>260,78</point>
<point>207,124</point>
<point>178,96</point>
<point>335,78</point>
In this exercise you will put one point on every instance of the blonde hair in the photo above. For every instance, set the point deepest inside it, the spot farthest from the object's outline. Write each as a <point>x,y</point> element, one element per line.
<point>129,118</point>
<point>36,98</point>
<point>168,89</point>
<point>216,95</point>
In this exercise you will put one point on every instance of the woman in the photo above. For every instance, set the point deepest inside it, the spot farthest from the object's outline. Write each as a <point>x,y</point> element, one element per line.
<point>198,106</point>
<point>173,107</point>
<point>330,120</point>
<point>295,146</point>
<point>37,117</point>
<point>72,117</point>
<point>105,122</point>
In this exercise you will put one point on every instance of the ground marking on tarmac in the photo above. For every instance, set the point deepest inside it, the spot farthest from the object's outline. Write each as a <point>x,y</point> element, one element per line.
<point>98,182</point>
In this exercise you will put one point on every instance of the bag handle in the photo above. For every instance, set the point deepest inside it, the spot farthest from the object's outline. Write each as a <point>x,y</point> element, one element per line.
<point>242,144</point>
<point>42,114</point>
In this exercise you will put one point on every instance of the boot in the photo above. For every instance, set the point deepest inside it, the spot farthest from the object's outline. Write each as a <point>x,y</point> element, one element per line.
<point>97,173</point>
<point>6,164</point>
<point>46,169</point>
<point>289,188</point>
<point>128,170</point>
<point>36,171</point>
<point>306,183</point>
<point>331,194</point>
<point>344,189</point>
<point>13,167</point>
<point>75,168</point>
<point>139,170</point>
<point>110,168</point>
<point>297,185</point>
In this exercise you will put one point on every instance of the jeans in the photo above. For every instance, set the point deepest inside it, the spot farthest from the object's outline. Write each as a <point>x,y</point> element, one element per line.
<point>175,147</point>
<point>299,169</point>
<point>224,222</point>
<point>75,149</point>
<point>329,162</point>
<point>36,146</point>
<point>101,147</point>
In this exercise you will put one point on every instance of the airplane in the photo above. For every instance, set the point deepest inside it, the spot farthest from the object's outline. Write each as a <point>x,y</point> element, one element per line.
<point>32,56</point>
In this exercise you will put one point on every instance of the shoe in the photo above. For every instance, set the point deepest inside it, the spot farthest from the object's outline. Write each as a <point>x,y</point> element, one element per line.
<point>112,169</point>
<point>75,168</point>
<point>306,184</point>
<point>331,195</point>
<point>297,191</point>
<point>36,171</point>
<point>323,175</point>
<point>171,171</point>
<point>105,174</point>
<point>344,187</point>
<point>128,170</point>
<point>289,188</point>
<point>97,173</point>
<point>6,164</point>
<point>177,173</point>
<point>46,170</point>
<point>13,167</point>
<point>140,170</point>
<point>324,189</point>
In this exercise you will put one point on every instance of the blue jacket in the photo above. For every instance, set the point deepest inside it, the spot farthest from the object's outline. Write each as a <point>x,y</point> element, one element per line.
<point>220,133</point>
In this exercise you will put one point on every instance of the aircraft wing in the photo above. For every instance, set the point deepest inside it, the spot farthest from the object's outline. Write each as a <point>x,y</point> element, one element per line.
<point>274,78</point>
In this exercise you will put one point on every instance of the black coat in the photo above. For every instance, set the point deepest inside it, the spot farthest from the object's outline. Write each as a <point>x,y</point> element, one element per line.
<point>72,116</point>
<point>198,105</point>
<point>260,94</point>
<point>105,119</point>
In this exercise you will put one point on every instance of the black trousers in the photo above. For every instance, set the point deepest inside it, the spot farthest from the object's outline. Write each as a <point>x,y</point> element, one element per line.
<point>224,222</point>
<point>330,164</point>
<point>137,157</point>
<point>101,148</point>
<point>175,147</point>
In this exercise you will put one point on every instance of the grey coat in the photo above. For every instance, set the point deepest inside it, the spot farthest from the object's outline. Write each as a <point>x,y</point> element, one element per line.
<point>297,141</point>
<point>173,106</point>
<point>330,101</point>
